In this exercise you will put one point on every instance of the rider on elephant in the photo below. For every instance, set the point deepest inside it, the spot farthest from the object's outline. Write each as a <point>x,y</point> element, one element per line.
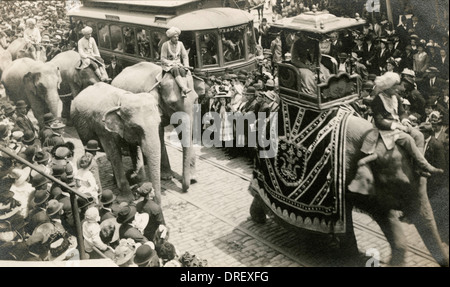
<point>393,124</point>
<point>174,59</point>
<point>31,34</point>
<point>87,48</point>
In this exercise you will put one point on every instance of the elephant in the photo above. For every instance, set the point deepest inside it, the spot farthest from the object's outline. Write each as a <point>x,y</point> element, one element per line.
<point>114,116</point>
<point>142,77</point>
<point>5,60</point>
<point>19,48</point>
<point>73,80</point>
<point>394,186</point>
<point>34,82</point>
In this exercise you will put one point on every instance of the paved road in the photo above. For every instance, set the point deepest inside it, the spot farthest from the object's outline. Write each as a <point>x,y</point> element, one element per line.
<point>212,220</point>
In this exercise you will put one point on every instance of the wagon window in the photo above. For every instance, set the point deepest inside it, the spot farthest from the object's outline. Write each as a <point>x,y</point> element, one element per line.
<point>208,49</point>
<point>143,43</point>
<point>233,45</point>
<point>103,36</point>
<point>251,42</point>
<point>129,40</point>
<point>116,38</point>
<point>158,39</point>
<point>188,40</point>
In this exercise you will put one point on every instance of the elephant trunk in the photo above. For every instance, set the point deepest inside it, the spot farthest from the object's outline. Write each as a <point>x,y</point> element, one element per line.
<point>187,157</point>
<point>151,149</point>
<point>52,100</point>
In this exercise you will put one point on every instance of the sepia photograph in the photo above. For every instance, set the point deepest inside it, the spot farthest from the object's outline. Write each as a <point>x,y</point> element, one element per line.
<point>224,133</point>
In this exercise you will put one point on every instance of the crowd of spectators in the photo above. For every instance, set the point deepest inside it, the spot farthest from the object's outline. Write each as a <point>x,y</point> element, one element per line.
<point>36,214</point>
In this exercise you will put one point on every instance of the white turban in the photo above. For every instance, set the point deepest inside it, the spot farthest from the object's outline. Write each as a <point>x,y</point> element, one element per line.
<point>173,31</point>
<point>86,30</point>
<point>31,21</point>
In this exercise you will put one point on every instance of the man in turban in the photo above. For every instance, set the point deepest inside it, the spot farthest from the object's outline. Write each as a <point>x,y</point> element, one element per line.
<point>175,60</point>
<point>87,48</point>
<point>31,34</point>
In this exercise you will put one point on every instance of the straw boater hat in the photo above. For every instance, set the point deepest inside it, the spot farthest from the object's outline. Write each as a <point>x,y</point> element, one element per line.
<point>222,95</point>
<point>54,207</point>
<point>20,175</point>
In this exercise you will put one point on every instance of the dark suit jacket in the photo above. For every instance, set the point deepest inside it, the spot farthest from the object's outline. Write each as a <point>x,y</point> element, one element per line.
<point>127,231</point>
<point>113,72</point>
<point>382,118</point>
<point>24,123</point>
<point>105,214</point>
<point>156,216</point>
<point>426,89</point>
<point>435,155</point>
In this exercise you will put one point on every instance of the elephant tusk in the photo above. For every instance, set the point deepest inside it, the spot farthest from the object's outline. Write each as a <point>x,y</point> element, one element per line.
<point>367,159</point>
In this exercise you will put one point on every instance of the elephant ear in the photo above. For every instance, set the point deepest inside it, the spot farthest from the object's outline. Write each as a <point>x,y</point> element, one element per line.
<point>113,121</point>
<point>31,80</point>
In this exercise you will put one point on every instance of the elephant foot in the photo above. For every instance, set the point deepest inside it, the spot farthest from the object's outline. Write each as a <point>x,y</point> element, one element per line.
<point>257,213</point>
<point>193,180</point>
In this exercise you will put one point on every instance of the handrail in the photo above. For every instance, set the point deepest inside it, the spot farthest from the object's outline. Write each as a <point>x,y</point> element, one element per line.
<point>73,194</point>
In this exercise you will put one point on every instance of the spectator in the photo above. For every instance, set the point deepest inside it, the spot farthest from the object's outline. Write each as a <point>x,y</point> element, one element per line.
<point>91,234</point>
<point>85,180</point>
<point>107,199</point>
<point>150,207</point>
<point>125,218</point>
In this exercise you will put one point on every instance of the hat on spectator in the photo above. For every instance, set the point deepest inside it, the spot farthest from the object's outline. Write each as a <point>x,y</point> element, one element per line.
<point>20,175</point>
<point>28,137</point>
<point>242,78</point>
<point>62,152</point>
<point>107,196</point>
<point>49,118</point>
<point>17,135</point>
<point>41,156</point>
<point>58,170</point>
<point>126,214</point>
<point>86,30</point>
<point>250,91</point>
<point>21,104</point>
<point>40,196</point>
<point>123,252</point>
<point>406,102</point>
<point>92,145</point>
<point>408,72</point>
<point>39,180</point>
<point>57,125</point>
<point>53,207</point>
<point>343,55</point>
<point>414,36</point>
<point>92,214</point>
<point>391,61</point>
<point>30,21</point>
<point>144,254</point>
<point>9,109</point>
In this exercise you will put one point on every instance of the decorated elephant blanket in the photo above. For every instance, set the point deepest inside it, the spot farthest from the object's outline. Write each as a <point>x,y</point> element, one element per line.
<point>305,182</point>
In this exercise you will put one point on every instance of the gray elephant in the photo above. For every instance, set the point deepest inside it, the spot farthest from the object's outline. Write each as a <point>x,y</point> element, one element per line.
<point>74,80</point>
<point>34,82</point>
<point>19,48</point>
<point>394,187</point>
<point>142,77</point>
<point>113,116</point>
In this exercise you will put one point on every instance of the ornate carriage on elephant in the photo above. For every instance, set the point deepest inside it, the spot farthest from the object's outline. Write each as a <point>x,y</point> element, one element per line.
<point>319,137</point>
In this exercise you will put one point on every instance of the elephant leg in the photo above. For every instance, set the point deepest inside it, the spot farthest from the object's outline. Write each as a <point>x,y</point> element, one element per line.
<point>421,215</point>
<point>192,167</point>
<point>257,212</point>
<point>166,170</point>
<point>112,149</point>
<point>393,231</point>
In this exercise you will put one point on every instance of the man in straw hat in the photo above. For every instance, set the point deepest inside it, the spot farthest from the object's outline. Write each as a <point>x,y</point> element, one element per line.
<point>175,59</point>
<point>389,116</point>
<point>87,48</point>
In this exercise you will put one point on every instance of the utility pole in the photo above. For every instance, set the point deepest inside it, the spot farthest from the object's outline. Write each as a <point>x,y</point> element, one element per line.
<point>389,11</point>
